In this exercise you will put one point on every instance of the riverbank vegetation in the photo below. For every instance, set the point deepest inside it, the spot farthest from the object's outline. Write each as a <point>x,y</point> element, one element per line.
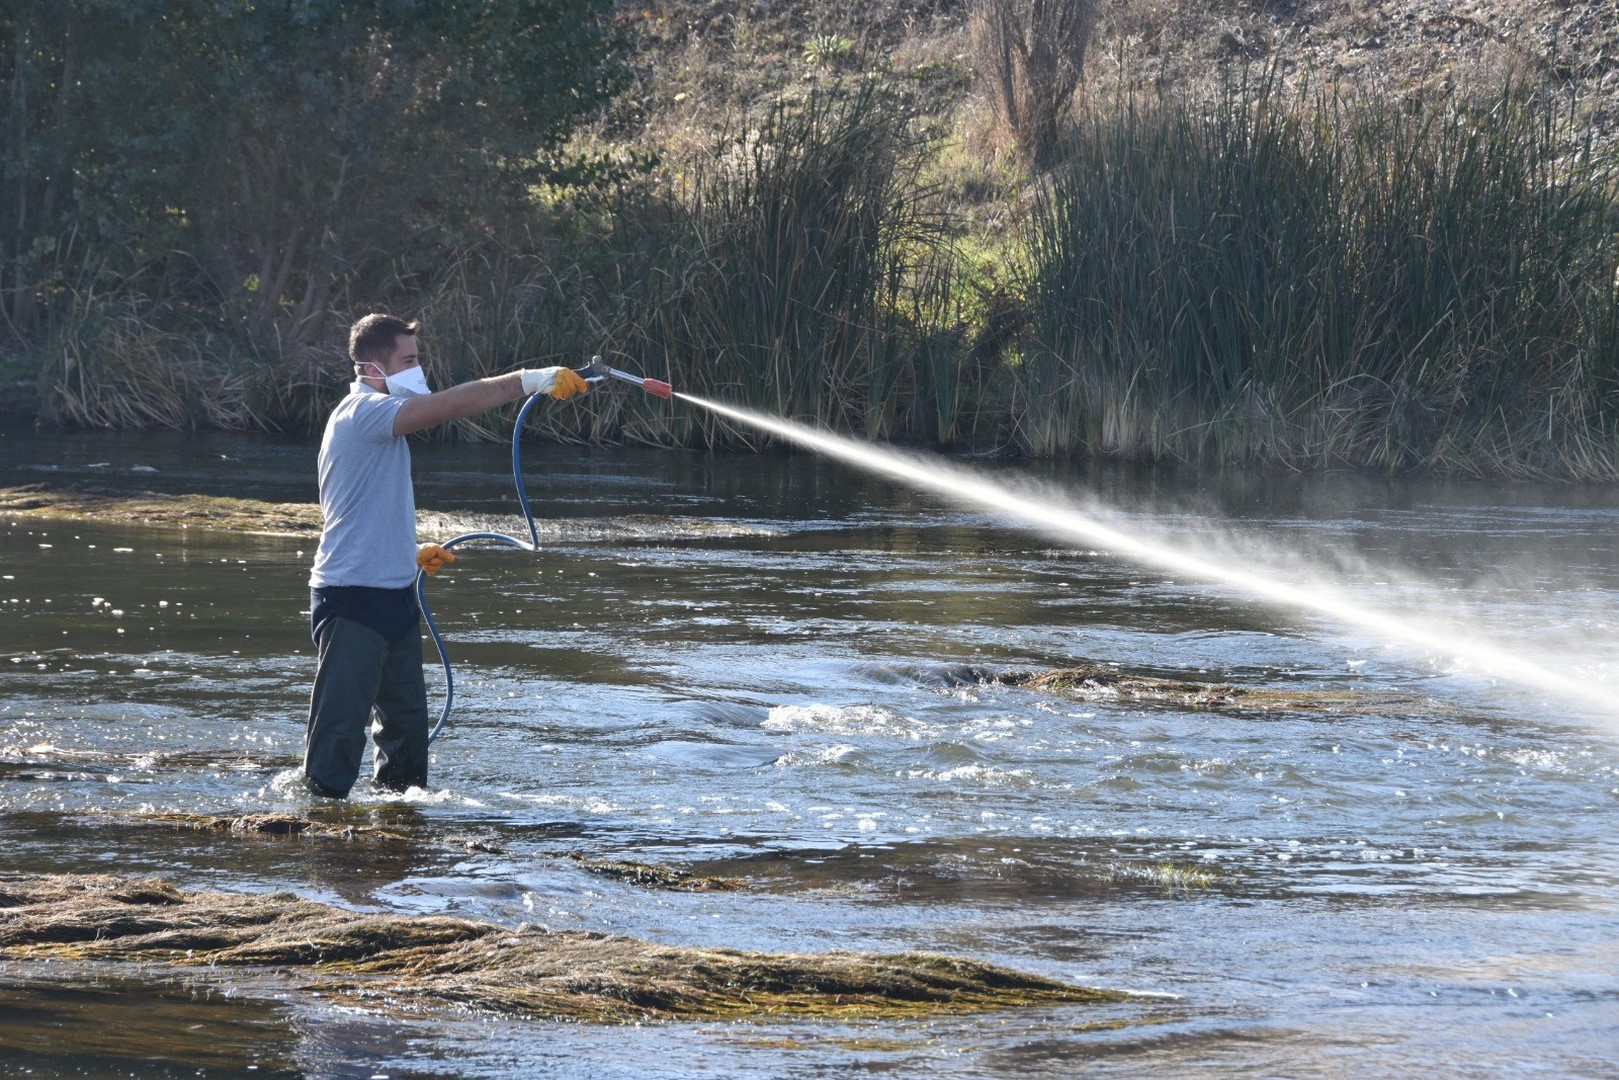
<point>1307,235</point>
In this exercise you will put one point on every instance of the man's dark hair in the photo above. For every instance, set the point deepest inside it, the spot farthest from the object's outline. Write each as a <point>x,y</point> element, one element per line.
<point>372,338</point>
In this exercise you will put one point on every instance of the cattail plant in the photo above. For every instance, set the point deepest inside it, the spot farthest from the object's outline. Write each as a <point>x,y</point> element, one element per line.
<point>793,286</point>
<point>1293,279</point>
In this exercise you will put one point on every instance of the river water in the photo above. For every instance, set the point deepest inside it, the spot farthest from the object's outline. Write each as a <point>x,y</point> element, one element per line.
<point>751,666</point>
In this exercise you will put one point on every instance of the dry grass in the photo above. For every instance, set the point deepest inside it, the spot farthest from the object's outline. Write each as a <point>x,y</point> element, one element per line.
<point>122,360</point>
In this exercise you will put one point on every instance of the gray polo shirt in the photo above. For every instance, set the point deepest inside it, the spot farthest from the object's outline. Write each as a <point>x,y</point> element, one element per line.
<point>366,500</point>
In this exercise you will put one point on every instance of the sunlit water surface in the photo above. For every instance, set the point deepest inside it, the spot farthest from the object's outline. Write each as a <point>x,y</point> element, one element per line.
<point>751,666</point>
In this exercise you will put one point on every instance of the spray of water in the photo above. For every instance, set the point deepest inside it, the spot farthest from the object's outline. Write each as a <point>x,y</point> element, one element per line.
<point>1065,523</point>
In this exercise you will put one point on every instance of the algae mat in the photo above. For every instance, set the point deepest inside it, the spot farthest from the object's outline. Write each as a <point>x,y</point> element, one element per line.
<point>1113,685</point>
<point>438,963</point>
<point>256,517</point>
<point>152,508</point>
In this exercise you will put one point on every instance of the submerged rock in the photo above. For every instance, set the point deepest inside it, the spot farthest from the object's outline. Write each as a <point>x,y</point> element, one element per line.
<point>655,876</point>
<point>272,824</point>
<point>436,962</point>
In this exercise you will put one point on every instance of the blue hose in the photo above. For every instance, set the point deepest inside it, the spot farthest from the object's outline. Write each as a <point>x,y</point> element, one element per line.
<point>532,544</point>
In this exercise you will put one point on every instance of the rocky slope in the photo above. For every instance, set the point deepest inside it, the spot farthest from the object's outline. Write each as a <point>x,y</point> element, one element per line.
<point>704,56</point>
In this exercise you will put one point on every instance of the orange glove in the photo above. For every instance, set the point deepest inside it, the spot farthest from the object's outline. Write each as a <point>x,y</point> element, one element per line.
<point>568,383</point>
<point>559,382</point>
<point>432,558</point>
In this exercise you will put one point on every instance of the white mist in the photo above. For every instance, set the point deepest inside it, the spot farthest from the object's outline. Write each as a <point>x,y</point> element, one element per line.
<point>1048,514</point>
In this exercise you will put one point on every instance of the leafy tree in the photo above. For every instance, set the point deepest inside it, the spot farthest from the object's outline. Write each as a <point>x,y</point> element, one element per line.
<point>82,146</point>
<point>267,149</point>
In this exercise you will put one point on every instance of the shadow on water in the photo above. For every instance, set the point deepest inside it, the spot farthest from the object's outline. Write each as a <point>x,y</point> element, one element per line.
<point>89,1024</point>
<point>361,850</point>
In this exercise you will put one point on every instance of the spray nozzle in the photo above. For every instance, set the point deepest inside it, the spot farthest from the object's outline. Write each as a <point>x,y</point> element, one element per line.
<point>598,369</point>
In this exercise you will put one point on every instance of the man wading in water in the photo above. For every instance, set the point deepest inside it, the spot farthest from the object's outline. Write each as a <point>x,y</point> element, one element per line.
<point>362,600</point>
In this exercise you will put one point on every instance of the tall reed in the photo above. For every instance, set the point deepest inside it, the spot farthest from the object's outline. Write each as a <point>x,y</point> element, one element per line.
<point>1291,279</point>
<point>494,306</point>
<point>798,272</point>
<point>119,359</point>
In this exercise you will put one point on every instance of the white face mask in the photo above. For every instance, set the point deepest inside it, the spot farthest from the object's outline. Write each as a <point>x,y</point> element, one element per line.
<point>409,383</point>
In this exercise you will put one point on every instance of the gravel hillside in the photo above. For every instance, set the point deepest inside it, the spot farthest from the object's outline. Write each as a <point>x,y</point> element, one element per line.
<point>704,56</point>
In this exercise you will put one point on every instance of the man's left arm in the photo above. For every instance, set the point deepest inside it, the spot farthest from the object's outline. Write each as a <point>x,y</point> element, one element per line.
<point>457,402</point>
<point>481,395</point>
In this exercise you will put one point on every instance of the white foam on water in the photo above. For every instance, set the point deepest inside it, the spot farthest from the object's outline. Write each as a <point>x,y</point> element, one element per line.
<point>842,720</point>
<point>981,775</point>
<point>288,785</point>
<point>827,755</point>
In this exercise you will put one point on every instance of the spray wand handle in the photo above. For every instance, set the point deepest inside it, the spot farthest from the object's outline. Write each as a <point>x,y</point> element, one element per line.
<point>598,369</point>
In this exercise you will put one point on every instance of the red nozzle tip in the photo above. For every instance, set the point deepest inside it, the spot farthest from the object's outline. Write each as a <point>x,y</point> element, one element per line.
<point>658,387</point>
